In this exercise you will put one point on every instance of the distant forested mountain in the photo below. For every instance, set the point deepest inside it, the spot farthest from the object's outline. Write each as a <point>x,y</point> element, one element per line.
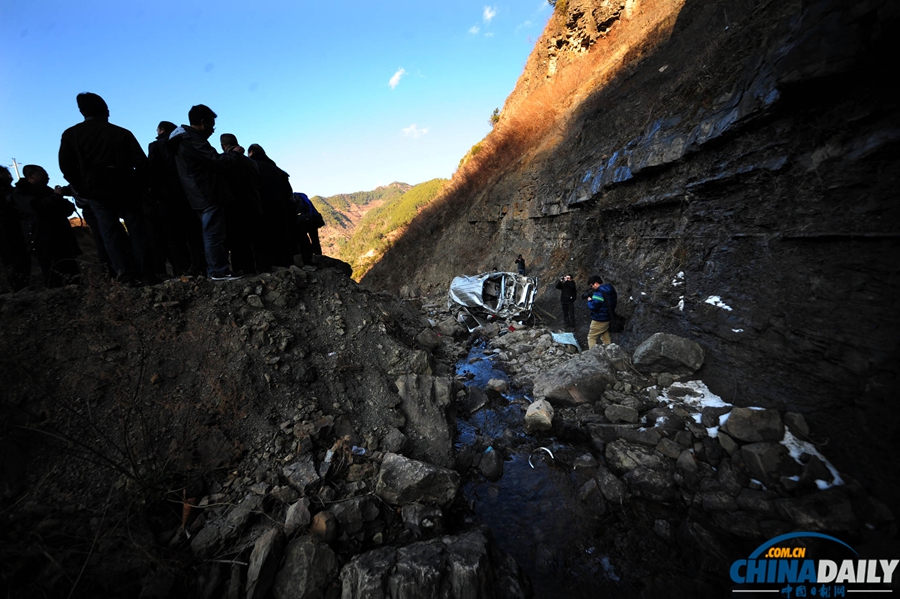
<point>360,226</point>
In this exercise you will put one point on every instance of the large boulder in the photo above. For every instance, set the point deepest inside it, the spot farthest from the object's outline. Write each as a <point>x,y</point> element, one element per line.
<point>402,480</point>
<point>754,425</point>
<point>580,380</point>
<point>623,456</point>
<point>450,566</point>
<point>539,416</point>
<point>264,562</point>
<point>663,352</point>
<point>427,403</point>
<point>309,567</point>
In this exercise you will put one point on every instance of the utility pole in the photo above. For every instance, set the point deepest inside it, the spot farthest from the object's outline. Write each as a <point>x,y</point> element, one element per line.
<point>16,168</point>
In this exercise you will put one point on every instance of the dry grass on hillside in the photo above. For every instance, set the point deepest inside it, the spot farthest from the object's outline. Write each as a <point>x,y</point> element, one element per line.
<point>536,120</point>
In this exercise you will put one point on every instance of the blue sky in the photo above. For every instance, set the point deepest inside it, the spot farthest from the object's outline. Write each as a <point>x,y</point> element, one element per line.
<point>343,96</point>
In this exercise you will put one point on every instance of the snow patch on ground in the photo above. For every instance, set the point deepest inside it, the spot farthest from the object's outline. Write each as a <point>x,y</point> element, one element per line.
<point>715,300</point>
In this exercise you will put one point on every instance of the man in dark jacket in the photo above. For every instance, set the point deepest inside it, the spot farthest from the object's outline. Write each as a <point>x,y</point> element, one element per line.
<point>245,237</point>
<point>45,226</point>
<point>181,227</point>
<point>200,168</point>
<point>13,251</point>
<point>568,292</point>
<point>309,220</point>
<point>106,166</point>
<point>275,192</point>
<point>602,304</point>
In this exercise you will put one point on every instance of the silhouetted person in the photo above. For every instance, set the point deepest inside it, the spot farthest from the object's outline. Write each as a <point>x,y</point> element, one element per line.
<point>45,226</point>
<point>200,168</point>
<point>106,166</point>
<point>13,251</point>
<point>244,209</point>
<point>180,225</point>
<point>278,241</point>
<point>520,264</point>
<point>308,221</point>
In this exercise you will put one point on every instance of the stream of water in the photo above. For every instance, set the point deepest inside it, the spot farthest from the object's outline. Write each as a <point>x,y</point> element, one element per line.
<point>533,509</point>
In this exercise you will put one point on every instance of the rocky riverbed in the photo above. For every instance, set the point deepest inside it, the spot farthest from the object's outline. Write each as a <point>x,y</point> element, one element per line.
<point>294,435</point>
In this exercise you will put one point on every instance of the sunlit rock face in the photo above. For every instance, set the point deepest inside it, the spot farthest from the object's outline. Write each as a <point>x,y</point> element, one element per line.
<point>732,169</point>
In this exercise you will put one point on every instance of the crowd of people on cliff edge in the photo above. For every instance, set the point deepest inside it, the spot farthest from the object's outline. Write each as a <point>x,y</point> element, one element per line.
<point>187,208</point>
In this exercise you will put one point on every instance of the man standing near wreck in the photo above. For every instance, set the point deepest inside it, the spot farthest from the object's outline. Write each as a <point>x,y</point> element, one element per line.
<point>602,304</point>
<point>567,293</point>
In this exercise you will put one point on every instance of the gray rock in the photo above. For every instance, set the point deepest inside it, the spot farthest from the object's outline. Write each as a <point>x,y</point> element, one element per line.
<point>301,474</point>
<point>797,423</point>
<point>686,461</point>
<point>623,456</point>
<point>663,352</point>
<point>590,495</point>
<point>491,464</point>
<point>430,340</point>
<point>815,469</point>
<point>422,520</point>
<point>759,502</point>
<point>539,416</point>
<point>450,566</point>
<point>762,460</point>
<point>716,501</point>
<point>264,561</point>
<point>449,327</point>
<point>641,436</point>
<point>309,567</point>
<point>663,529</point>
<point>653,484</point>
<point>352,513</point>
<point>669,448</point>
<point>219,531</point>
<point>738,523</point>
<point>822,511</point>
<point>585,462</point>
<point>615,355</point>
<point>475,399</point>
<point>732,479</point>
<point>613,489</point>
<point>402,480</point>
<point>753,426</point>
<point>618,413</point>
<point>665,419</point>
<point>497,386</point>
<point>297,517</point>
<point>427,403</point>
<point>579,380</point>
<point>727,443</point>
<point>394,441</point>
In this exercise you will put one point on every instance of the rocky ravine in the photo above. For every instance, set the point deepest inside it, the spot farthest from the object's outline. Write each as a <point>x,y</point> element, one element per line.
<point>734,175</point>
<point>291,435</point>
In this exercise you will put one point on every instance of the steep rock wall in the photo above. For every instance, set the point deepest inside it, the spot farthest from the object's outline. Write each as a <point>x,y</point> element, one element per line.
<point>751,146</point>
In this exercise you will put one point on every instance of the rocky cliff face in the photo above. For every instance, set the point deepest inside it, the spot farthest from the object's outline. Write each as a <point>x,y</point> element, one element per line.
<point>731,167</point>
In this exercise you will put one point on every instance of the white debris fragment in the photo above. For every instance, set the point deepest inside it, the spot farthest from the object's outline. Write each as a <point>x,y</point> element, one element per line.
<point>737,330</point>
<point>678,280</point>
<point>715,300</point>
<point>681,303</point>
